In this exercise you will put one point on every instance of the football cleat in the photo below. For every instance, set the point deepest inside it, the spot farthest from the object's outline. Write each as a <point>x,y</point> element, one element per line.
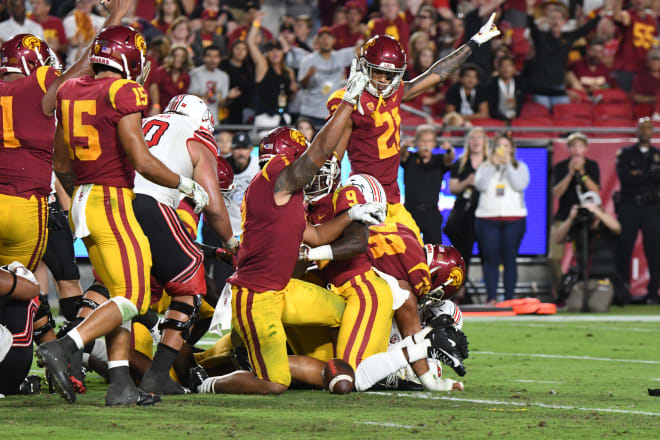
<point>444,349</point>
<point>129,394</point>
<point>77,373</point>
<point>161,384</point>
<point>197,376</point>
<point>30,385</point>
<point>56,359</point>
<point>396,382</point>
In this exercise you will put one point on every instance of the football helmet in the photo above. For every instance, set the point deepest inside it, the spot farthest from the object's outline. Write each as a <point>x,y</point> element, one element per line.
<point>23,53</point>
<point>383,53</point>
<point>225,176</point>
<point>122,48</point>
<point>282,141</point>
<point>370,187</point>
<point>447,269</point>
<point>194,108</point>
<point>324,182</point>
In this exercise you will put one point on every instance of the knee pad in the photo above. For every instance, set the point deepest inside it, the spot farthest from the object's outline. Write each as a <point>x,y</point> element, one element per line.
<point>43,310</point>
<point>69,307</point>
<point>97,288</point>
<point>127,309</point>
<point>175,324</point>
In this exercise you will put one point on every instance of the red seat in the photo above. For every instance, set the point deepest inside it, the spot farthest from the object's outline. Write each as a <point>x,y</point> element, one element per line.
<point>572,110</point>
<point>611,96</point>
<point>534,110</point>
<point>533,122</point>
<point>410,122</point>
<point>643,110</point>
<point>613,111</point>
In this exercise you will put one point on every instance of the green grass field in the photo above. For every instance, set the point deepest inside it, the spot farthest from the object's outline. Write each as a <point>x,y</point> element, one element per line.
<point>567,376</point>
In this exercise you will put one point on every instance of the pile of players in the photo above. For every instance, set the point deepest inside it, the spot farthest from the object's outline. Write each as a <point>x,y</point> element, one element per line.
<point>137,189</point>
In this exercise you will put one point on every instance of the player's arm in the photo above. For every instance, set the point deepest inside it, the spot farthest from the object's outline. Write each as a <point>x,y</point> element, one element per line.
<point>205,172</point>
<point>62,161</point>
<point>353,241</point>
<point>17,282</point>
<point>118,9</point>
<point>442,69</point>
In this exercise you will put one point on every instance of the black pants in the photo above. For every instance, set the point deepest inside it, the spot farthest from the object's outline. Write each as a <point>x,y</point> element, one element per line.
<point>634,218</point>
<point>465,243</point>
<point>428,219</point>
<point>17,317</point>
<point>59,255</point>
<point>220,271</point>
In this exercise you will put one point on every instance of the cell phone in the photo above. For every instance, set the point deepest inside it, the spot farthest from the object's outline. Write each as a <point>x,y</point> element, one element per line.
<point>499,150</point>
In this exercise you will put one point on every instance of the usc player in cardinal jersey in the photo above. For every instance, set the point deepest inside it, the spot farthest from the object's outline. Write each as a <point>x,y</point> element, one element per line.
<point>98,146</point>
<point>372,134</point>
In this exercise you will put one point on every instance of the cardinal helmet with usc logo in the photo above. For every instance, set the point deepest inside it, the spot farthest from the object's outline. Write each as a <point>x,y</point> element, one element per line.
<point>282,141</point>
<point>24,53</point>
<point>121,48</point>
<point>383,53</point>
<point>225,176</point>
<point>447,269</point>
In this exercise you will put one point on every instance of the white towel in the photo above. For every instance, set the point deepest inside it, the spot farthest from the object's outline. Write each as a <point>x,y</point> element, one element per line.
<point>222,316</point>
<point>399,295</point>
<point>78,210</point>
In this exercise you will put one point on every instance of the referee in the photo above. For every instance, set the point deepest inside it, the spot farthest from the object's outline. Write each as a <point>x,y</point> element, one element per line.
<point>422,176</point>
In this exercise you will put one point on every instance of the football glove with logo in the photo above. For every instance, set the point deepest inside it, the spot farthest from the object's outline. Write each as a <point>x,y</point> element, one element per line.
<point>369,213</point>
<point>195,191</point>
<point>487,31</point>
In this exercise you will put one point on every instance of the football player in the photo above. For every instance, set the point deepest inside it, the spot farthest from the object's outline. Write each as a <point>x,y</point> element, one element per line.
<point>98,147</point>
<point>372,134</point>
<point>264,297</point>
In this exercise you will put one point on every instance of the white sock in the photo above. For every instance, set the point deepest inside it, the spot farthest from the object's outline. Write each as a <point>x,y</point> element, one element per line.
<point>207,386</point>
<point>100,351</point>
<point>73,334</point>
<point>116,364</point>
<point>86,360</point>
<point>377,367</point>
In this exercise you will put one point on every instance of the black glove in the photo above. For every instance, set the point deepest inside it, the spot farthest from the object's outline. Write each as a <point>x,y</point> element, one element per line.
<point>57,220</point>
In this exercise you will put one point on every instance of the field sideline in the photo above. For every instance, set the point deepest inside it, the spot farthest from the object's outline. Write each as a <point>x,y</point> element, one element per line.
<point>567,376</point>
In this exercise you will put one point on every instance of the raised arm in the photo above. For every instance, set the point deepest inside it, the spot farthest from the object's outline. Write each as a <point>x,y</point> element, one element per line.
<point>442,69</point>
<point>260,61</point>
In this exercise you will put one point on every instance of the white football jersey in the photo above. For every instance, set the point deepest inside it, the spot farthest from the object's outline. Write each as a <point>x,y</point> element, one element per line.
<point>166,136</point>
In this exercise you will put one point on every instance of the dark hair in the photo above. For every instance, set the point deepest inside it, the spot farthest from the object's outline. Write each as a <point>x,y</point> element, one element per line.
<point>470,66</point>
<point>211,47</point>
<point>506,57</point>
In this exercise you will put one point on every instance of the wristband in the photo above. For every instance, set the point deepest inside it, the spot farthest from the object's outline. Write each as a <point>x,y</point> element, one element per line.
<point>256,23</point>
<point>584,177</point>
<point>156,106</point>
<point>320,253</point>
<point>472,44</point>
<point>13,286</point>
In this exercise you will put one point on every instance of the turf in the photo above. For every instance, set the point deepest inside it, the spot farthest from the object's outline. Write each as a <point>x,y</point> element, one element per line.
<point>508,392</point>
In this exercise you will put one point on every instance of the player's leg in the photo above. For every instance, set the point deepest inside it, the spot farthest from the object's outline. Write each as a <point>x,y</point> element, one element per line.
<point>397,213</point>
<point>512,234</point>
<point>23,231</point>
<point>487,237</point>
<point>17,316</point>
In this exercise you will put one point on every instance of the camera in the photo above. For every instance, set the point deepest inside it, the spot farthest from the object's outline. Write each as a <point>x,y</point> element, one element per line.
<point>584,216</point>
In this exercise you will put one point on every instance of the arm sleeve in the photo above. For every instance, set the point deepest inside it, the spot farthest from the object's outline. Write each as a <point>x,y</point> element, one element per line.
<point>533,29</point>
<point>482,177</point>
<point>584,30</point>
<point>558,173</point>
<point>519,177</point>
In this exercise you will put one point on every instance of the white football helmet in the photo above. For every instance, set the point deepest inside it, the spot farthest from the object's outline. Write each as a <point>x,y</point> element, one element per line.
<point>370,187</point>
<point>324,182</point>
<point>192,107</point>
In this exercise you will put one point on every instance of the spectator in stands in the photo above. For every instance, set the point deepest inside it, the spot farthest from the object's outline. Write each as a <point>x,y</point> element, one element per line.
<point>638,206</point>
<point>418,42</point>
<point>430,100</point>
<point>168,11</point>
<point>52,26</point>
<point>275,82</point>
<point>593,233</point>
<point>638,29</point>
<point>171,79</point>
<point>501,214</point>
<point>305,126</point>
<point>570,178</point>
<point>482,56</point>
<point>18,23</point>
<point>245,167</point>
<point>646,85</point>
<point>241,32</point>
<point>207,35</point>
<point>548,68</point>
<point>393,22</point>
<point>302,29</point>
<point>148,30</point>
<point>505,92</point>
<point>241,80</point>
<point>466,97</point>
<point>224,139</point>
<point>460,223</point>
<point>320,74</point>
<point>348,34</point>
<point>425,21</point>
<point>590,73</point>
<point>339,16</point>
<point>80,27</point>
<point>210,83</point>
<point>422,174</point>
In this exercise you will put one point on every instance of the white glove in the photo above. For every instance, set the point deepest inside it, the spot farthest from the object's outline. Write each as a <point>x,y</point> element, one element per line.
<point>231,244</point>
<point>433,383</point>
<point>487,31</point>
<point>356,83</point>
<point>307,253</point>
<point>19,270</point>
<point>369,213</point>
<point>193,189</point>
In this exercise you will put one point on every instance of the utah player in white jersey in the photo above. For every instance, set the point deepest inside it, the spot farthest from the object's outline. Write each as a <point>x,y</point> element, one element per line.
<point>182,138</point>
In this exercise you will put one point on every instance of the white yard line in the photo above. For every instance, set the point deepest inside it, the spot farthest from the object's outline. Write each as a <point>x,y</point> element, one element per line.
<point>518,404</point>
<point>614,329</point>
<point>566,318</point>
<point>561,356</point>
<point>535,381</point>
<point>385,425</point>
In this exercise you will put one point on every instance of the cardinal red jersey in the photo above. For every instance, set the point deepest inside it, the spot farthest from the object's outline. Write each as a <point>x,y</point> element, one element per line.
<point>636,40</point>
<point>395,250</point>
<point>88,110</point>
<point>338,272</point>
<point>26,142</point>
<point>272,234</point>
<point>375,140</point>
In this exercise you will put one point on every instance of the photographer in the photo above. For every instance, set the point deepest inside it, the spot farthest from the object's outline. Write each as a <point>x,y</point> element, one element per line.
<point>593,233</point>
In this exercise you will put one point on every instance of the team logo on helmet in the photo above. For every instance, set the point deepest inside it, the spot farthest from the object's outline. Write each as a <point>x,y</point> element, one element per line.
<point>298,137</point>
<point>456,276</point>
<point>31,42</point>
<point>140,44</point>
